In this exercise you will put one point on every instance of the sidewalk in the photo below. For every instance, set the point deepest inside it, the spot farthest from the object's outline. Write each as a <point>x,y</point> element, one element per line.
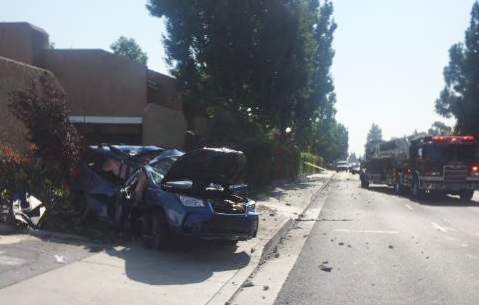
<point>207,273</point>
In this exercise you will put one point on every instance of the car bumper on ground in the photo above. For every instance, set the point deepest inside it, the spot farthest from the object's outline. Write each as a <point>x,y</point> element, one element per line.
<point>221,226</point>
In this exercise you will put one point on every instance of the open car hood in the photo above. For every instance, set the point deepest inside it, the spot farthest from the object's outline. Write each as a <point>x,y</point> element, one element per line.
<point>207,166</point>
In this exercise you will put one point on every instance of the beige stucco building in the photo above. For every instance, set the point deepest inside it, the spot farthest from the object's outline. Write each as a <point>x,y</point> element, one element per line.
<point>112,99</point>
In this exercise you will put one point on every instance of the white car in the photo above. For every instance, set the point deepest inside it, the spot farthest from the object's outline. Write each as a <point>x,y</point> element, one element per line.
<point>342,166</point>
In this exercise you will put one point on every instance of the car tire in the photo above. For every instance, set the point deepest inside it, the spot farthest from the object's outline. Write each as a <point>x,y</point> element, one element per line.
<point>466,195</point>
<point>155,231</point>
<point>364,184</point>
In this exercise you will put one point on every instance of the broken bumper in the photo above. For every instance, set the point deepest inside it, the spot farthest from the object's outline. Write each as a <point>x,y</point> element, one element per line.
<point>221,226</point>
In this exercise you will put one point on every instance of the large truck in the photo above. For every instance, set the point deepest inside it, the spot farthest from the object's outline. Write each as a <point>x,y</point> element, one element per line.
<point>425,165</point>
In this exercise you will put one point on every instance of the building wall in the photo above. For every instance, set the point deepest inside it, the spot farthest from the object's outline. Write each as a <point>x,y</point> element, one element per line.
<point>16,76</point>
<point>163,91</point>
<point>99,83</point>
<point>22,42</point>
<point>163,126</point>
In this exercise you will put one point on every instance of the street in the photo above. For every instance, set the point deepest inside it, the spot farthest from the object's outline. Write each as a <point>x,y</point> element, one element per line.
<point>385,249</point>
<point>368,246</point>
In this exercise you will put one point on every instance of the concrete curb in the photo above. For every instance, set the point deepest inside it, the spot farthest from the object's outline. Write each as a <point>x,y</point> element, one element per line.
<point>233,285</point>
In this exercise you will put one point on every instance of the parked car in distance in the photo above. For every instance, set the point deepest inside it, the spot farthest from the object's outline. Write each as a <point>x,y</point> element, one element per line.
<point>198,194</point>
<point>342,166</point>
<point>355,168</point>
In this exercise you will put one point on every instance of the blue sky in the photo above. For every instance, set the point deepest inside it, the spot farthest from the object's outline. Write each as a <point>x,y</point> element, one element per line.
<point>389,53</point>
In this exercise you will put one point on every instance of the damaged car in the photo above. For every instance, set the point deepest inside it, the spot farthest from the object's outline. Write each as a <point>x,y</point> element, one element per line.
<point>198,194</point>
<point>102,171</point>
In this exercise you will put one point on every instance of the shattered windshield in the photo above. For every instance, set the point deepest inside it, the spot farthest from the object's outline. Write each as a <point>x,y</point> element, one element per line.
<point>160,168</point>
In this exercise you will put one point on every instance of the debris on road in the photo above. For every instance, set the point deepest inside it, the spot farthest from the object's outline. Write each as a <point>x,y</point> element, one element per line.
<point>341,243</point>
<point>247,284</point>
<point>391,247</point>
<point>325,267</point>
<point>265,287</point>
<point>60,259</point>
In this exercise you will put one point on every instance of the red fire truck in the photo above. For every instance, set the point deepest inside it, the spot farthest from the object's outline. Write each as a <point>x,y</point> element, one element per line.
<point>426,165</point>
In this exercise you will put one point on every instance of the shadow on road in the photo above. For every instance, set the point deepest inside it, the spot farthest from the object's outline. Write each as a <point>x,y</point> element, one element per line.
<point>430,199</point>
<point>185,263</point>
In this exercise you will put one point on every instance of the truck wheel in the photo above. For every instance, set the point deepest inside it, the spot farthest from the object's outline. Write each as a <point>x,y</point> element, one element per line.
<point>155,231</point>
<point>416,192</point>
<point>467,195</point>
<point>364,183</point>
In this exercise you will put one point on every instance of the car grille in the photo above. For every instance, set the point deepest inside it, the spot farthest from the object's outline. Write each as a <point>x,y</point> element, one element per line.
<point>454,173</point>
<point>228,207</point>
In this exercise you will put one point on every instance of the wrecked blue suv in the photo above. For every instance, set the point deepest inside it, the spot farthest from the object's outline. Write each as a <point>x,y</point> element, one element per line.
<point>197,194</point>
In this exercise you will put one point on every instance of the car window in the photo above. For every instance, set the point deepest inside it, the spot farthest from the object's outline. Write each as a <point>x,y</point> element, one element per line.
<point>160,168</point>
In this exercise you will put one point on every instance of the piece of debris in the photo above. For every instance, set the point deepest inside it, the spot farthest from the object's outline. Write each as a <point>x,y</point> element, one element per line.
<point>305,235</point>
<point>427,257</point>
<point>325,267</point>
<point>60,259</point>
<point>332,240</point>
<point>263,297</point>
<point>252,250</point>
<point>276,255</point>
<point>349,246</point>
<point>391,247</point>
<point>272,214</point>
<point>288,204</point>
<point>341,243</point>
<point>265,287</point>
<point>247,284</point>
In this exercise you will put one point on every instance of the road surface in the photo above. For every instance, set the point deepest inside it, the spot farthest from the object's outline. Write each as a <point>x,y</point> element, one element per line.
<point>371,247</point>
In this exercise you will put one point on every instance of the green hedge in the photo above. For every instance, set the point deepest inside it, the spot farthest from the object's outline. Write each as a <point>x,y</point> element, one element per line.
<point>310,158</point>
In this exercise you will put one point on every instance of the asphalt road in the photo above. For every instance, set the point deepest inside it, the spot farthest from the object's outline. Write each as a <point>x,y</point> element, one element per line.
<point>371,247</point>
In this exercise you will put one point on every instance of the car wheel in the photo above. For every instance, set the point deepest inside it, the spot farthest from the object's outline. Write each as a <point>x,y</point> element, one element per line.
<point>155,232</point>
<point>467,195</point>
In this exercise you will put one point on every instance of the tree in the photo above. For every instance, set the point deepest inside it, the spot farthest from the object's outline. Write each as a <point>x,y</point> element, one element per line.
<point>228,58</point>
<point>128,47</point>
<point>353,158</point>
<point>227,55</point>
<point>439,129</point>
<point>460,97</point>
<point>320,104</point>
<point>375,134</point>
<point>44,112</point>
<point>375,137</point>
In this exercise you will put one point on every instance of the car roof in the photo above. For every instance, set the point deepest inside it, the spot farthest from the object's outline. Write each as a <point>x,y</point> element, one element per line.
<point>167,154</point>
<point>121,152</point>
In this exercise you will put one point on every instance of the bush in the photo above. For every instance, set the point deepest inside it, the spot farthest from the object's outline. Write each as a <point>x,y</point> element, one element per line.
<point>43,110</point>
<point>20,174</point>
<point>269,160</point>
<point>310,158</point>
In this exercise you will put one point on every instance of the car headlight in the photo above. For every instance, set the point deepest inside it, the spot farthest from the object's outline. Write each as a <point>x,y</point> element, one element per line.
<point>191,202</point>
